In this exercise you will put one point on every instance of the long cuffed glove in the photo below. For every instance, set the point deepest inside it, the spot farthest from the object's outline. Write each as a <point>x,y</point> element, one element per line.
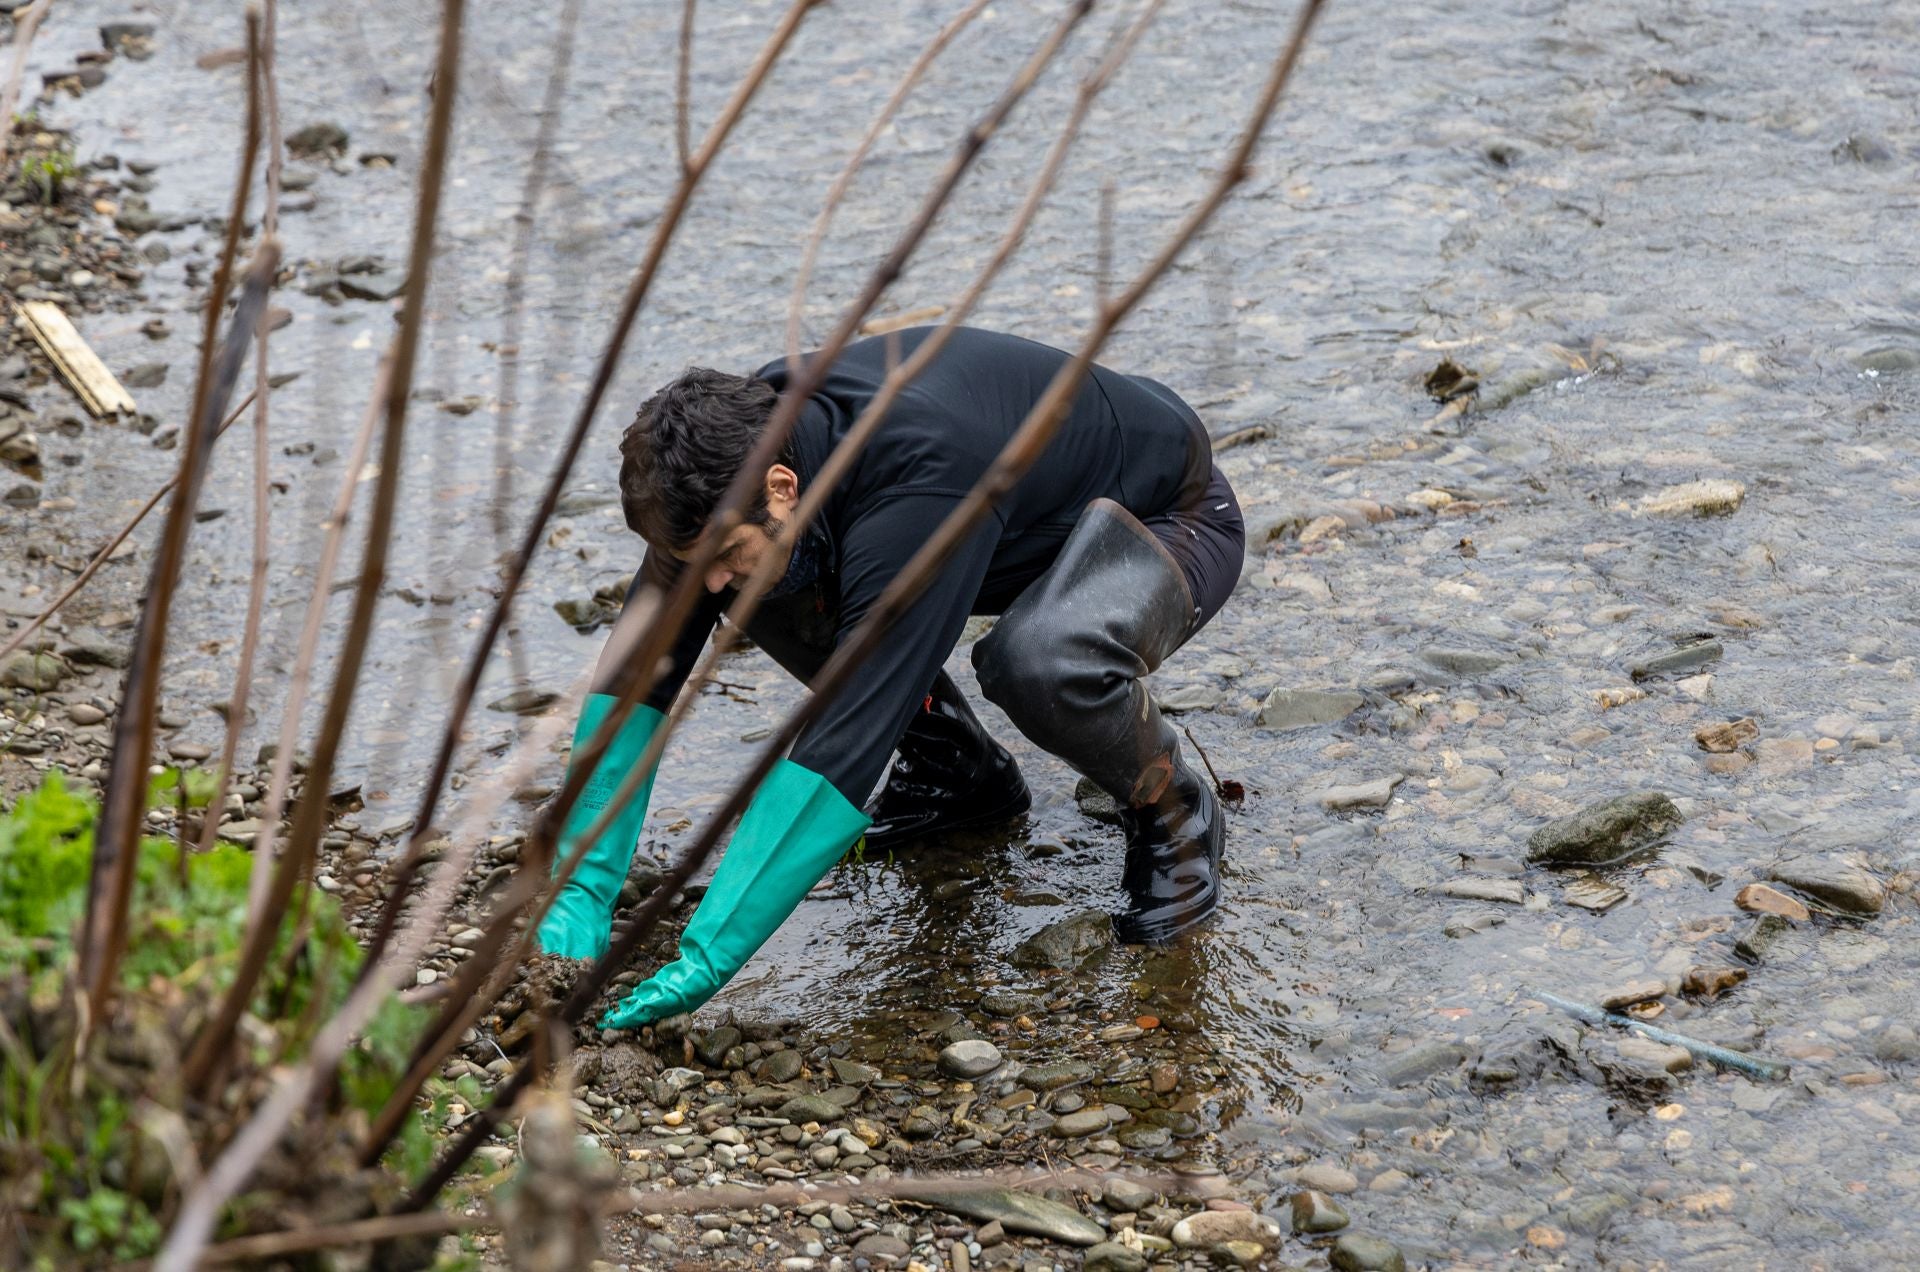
<point>581,920</point>
<point>792,833</point>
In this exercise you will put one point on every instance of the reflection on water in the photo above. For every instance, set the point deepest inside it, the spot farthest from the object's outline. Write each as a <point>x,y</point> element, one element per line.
<point>1675,245</point>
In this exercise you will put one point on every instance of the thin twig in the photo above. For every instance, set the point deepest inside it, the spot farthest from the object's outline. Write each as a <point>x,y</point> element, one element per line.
<point>333,533</point>
<point>310,812</point>
<point>1203,757</point>
<point>123,803</point>
<point>683,90</point>
<point>262,390</point>
<point>25,23</point>
<point>841,183</point>
<point>120,536</point>
<point>525,219</point>
<point>1103,267</point>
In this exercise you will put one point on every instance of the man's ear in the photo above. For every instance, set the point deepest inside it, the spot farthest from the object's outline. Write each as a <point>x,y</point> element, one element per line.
<point>783,484</point>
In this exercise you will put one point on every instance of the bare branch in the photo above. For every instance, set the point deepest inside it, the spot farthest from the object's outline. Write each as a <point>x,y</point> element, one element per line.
<point>25,23</point>
<point>683,89</point>
<point>262,390</point>
<point>122,805</point>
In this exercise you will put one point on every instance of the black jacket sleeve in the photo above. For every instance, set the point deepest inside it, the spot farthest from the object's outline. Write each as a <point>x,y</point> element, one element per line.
<point>851,740</point>
<point>658,573</point>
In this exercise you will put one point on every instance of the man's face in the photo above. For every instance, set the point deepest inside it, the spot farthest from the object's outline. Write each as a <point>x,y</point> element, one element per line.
<point>744,549</point>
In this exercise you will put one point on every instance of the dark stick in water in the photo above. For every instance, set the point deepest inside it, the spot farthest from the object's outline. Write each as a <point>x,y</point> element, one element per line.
<point>1753,1066</point>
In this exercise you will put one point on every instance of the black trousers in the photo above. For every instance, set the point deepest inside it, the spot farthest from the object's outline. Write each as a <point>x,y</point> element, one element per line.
<point>1206,537</point>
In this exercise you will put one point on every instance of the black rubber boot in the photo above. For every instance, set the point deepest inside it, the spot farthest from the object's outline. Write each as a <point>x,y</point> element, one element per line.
<point>1066,662</point>
<point>949,774</point>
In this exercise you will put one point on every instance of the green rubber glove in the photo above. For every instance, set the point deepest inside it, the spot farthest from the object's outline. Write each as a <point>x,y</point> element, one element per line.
<point>792,833</point>
<point>581,920</point>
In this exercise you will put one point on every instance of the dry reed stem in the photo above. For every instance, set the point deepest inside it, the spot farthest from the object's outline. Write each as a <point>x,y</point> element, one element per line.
<point>262,390</point>
<point>26,23</point>
<point>837,192</point>
<point>310,812</point>
<point>123,803</point>
<point>683,89</point>
<point>525,220</point>
<point>333,533</point>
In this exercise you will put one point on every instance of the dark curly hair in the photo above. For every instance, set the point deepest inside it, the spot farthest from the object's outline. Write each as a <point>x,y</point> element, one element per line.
<point>683,449</point>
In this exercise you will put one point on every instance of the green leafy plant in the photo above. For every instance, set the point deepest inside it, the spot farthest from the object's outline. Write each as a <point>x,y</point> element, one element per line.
<point>47,174</point>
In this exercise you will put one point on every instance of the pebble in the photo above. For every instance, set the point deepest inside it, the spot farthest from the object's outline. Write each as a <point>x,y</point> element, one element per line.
<point>1729,735</point>
<point>1710,498</point>
<point>1659,1054</point>
<point>1326,1177</point>
<point>1645,989</point>
<point>1086,1122</point>
<point>1357,1253</point>
<point>1111,1256</point>
<point>84,713</point>
<point>1374,794</point>
<point>39,673</point>
<point>1126,1196</point>
<point>970,1058</point>
<point>1758,898</point>
<point>1315,1212</point>
<point>1482,888</point>
<point>1390,1181</point>
<point>1212,1227</point>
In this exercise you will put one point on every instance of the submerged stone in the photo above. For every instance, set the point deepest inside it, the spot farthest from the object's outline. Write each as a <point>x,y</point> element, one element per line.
<point>1065,944</point>
<point>1019,1212</point>
<point>1357,1253</point>
<point>1304,708</point>
<point>1837,882</point>
<point>1605,831</point>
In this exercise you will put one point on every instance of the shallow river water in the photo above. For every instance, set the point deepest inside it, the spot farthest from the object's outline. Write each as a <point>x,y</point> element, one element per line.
<point>1686,230</point>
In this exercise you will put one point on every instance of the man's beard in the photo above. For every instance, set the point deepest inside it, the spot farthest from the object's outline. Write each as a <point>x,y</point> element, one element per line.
<point>803,566</point>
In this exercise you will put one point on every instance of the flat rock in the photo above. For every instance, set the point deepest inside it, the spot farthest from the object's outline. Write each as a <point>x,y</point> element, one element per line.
<point>1463,662</point>
<point>714,1047</point>
<point>1714,497</point>
<point>1125,1196</point>
<point>1051,1077</point>
<point>970,1058</point>
<point>1659,1054</point>
<point>881,1247</point>
<point>1604,832</point>
<point>1065,944</point>
<point>1357,1253</point>
<point>1315,1212</point>
<point>1682,658</point>
<point>1406,1068</point>
<point>1760,898</point>
<point>1020,1212</point>
<point>852,1072</point>
<point>1085,1122</point>
<point>1845,885</point>
<point>1305,708</point>
<point>1374,794</point>
<point>1642,990</point>
<point>1214,1227</point>
<point>1486,888</point>
<point>810,1108</point>
<point>1327,1177</point>
<point>1591,892</point>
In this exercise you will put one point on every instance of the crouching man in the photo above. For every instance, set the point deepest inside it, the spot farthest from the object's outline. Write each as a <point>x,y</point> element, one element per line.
<point>1114,550</point>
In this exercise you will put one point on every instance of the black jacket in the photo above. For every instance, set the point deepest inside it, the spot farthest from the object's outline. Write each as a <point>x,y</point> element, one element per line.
<point>1126,438</point>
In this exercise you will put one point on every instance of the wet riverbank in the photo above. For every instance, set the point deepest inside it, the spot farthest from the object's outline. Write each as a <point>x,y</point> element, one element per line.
<point>1671,249</point>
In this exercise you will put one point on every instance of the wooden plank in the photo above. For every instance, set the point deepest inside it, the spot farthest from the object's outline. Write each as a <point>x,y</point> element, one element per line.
<point>78,365</point>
